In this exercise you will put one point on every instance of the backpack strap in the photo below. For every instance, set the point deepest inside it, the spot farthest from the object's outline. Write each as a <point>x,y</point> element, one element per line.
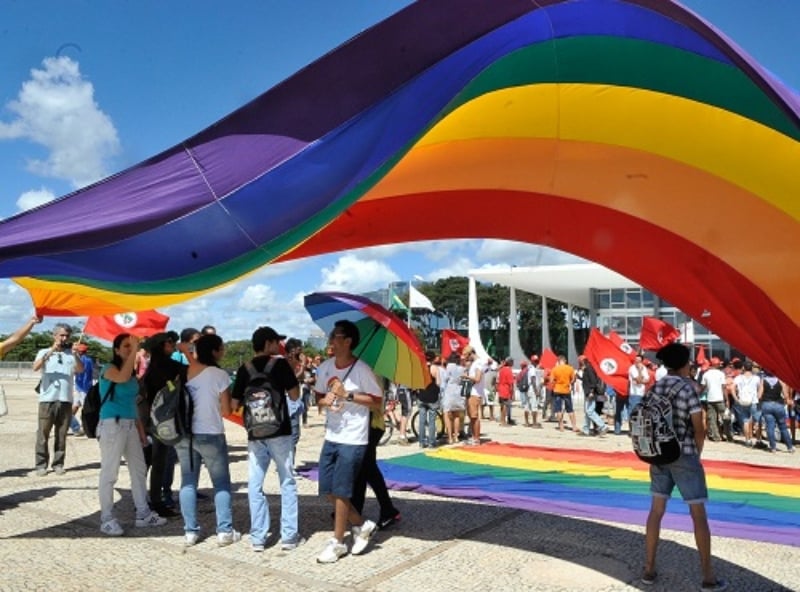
<point>110,392</point>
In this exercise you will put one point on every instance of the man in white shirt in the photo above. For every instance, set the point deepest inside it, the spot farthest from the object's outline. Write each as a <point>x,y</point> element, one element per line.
<point>714,383</point>
<point>638,378</point>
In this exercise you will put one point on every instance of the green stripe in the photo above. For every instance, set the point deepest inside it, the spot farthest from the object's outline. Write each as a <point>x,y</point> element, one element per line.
<point>419,461</point>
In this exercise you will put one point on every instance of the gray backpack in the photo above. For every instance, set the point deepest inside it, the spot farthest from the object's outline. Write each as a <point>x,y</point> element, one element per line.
<point>264,405</point>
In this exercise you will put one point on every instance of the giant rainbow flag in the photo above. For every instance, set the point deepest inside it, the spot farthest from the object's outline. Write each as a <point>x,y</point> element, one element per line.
<point>745,501</point>
<point>631,119</point>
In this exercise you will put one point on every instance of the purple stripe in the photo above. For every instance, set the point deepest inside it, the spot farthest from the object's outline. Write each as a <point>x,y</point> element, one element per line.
<point>682,522</point>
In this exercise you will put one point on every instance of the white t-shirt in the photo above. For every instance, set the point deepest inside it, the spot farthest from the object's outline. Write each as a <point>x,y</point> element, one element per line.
<point>478,367</point>
<point>206,389</point>
<point>350,423</point>
<point>661,372</point>
<point>747,388</point>
<point>714,381</point>
<point>634,388</point>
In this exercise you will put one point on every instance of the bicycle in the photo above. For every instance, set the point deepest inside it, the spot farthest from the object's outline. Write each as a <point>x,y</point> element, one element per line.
<point>439,421</point>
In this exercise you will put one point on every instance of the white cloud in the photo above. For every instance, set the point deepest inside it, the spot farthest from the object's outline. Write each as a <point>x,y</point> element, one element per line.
<point>34,198</point>
<point>522,254</point>
<point>457,268</point>
<point>257,298</point>
<point>353,274</point>
<point>56,109</point>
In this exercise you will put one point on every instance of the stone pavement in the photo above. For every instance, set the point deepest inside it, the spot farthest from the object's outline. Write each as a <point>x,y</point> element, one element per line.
<point>49,536</point>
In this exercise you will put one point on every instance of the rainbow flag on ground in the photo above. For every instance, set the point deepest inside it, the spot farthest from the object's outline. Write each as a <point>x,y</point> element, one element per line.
<point>745,500</point>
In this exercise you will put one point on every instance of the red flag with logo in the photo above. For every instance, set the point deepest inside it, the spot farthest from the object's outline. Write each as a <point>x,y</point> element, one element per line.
<point>452,342</point>
<point>623,345</point>
<point>656,334</point>
<point>610,362</point>
<point>548,359</point>
<point>141,324</point>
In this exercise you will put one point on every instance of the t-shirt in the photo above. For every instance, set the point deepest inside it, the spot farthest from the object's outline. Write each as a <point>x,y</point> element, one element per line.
<point>747,388</point>
<point>205,389</point>
<point>640,372</point>
<point>123,402</point>
<point>714,381</point>
<point>476,369</point>
<point>57,377</point>
<point>350,423</point>
<point>562,376</point>
<point>281,376</point>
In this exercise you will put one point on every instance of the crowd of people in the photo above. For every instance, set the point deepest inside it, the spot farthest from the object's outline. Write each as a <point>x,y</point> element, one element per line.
<point>717,402</point>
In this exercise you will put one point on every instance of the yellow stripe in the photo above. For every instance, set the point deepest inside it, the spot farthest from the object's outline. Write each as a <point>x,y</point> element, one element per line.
<point>746,153</point>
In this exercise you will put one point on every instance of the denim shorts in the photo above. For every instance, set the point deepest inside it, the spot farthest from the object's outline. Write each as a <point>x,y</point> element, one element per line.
<point>339,466</point>
<point>562,402</point>
<point>687,473</point>
<point>745,412</point>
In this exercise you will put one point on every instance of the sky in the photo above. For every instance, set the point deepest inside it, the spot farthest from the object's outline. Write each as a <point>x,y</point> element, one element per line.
<point>90,88</point>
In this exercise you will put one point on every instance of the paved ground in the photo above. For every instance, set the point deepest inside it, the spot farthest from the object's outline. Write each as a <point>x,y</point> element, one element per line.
<point>49,535</point>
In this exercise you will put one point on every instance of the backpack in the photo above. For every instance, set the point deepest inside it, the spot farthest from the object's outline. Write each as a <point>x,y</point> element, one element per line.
<point>90,413</point>
<point>264,405</point>
<point>652,431</point>
<point>430,394</point>
<point>171,412</point>
<point>523,383</point>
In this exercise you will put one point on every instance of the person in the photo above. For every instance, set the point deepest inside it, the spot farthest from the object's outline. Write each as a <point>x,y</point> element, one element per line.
<point>208,330</point>
<point>475,376</point>
<point>686,473</point>
<point>505,389</point>
<point>638,379</point>
<point>403,395</point>
<point>745,397</point>
<point>714,382</point>
<point>83,382</point>
<point>59,363</point>
<point>536,392</point>
<point>371,475</point>
<point>161,369</point>
<point>562,376</point>
<point>208,385</point>
<point>17,336</point>
<point>453,403</point>
<point>774,396</point>
<point>593,387</point>
<point>277,448</point>
<point>489,390</point>
<point>428,402</point>
<point>120,434</point>
<point>351,392</point>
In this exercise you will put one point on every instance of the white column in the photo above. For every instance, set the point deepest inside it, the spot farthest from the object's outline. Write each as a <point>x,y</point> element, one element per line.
<point>473,331</point>
<point>514,347</point>
<point>545,327</point>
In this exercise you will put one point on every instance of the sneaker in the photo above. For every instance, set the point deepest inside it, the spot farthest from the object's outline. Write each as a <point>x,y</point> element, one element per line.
<point>111,528</point>
<point>717,586</point>
<point>385,523</point>
<point>257,547</point>
<point>41,472</point>
<point>190,539</point>
<point>332,552</point>
<point>648,579</point>
<point>59,470</point>
<point>228,538</point>
<point>361,536</point>
<point>292,545</point>
<point>152,519</point>
<point>165,512</point>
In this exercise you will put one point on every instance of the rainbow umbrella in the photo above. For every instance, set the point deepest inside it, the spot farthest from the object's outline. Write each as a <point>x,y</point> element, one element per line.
<point>387,344</point>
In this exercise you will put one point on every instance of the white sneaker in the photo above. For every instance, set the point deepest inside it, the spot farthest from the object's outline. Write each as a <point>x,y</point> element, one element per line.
<point>361,536</point>
<point>332,551</point>
<point>190,539</point>
<point>111,528</point>
<point>228,538</point>
<point>151,519</point>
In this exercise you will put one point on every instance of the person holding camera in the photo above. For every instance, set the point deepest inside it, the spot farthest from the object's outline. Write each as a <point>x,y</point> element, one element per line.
<point>59,363</point>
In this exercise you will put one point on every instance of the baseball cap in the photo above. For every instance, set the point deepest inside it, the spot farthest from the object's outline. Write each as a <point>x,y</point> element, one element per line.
<point>269,334</point>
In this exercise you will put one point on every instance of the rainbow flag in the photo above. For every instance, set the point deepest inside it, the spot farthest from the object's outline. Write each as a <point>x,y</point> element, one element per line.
<point>746,501</point>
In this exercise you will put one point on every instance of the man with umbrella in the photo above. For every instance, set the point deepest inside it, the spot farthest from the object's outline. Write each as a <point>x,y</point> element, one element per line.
<point>348,389</point>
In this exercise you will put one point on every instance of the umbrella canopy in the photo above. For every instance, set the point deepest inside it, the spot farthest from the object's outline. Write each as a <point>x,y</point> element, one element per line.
<point>387,345</point>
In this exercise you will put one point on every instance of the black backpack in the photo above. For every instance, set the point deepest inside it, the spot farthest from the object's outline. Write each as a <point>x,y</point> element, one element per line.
<point>171,412</point>
<point>652,431</point>
<point>264,405</point>
<point>90,413</point>
<point>523,384</point>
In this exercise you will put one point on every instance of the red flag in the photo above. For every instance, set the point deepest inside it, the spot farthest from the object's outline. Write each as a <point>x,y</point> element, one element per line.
<point>452,342</point>
<point>610,362</point>
<point>656,334</point>
<point>623,345</point>
<point>141,324</point>
<point>548,359</point>
<point>701,359</point>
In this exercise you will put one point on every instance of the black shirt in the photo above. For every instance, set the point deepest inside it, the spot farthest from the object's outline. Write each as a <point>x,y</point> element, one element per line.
<point>282,378</point>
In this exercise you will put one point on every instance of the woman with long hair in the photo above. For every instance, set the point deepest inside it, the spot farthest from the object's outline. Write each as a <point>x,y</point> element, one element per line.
<point>120,434</point>
<point>208,386</point>
<point>453,404</point>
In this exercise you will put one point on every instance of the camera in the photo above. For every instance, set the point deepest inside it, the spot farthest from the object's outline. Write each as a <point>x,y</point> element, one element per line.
<point>66,346</point>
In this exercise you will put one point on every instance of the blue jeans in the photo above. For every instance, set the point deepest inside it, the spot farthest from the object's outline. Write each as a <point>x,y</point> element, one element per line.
<point>776,412</point>
<point>213,450</point>
<point>621,404</point>
<point>259,455</point>
<point>591,417</point>
<point>427,424</point>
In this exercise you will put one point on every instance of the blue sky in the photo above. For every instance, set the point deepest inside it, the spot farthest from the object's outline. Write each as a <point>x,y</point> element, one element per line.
<point>142,76</point>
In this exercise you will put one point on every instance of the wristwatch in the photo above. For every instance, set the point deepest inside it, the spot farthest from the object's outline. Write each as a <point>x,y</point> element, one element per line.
<point>350,396</point>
